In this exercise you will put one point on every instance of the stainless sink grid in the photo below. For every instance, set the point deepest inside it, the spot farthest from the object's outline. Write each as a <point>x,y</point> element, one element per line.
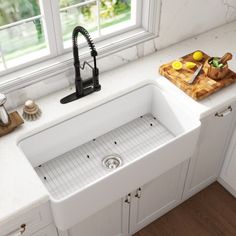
<point>83,165</point>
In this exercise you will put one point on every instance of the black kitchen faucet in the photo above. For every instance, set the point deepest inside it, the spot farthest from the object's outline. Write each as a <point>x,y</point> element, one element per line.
<point>83,87</point>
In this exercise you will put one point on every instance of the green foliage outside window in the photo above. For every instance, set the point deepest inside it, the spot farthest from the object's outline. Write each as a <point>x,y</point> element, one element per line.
<point>111,8</point>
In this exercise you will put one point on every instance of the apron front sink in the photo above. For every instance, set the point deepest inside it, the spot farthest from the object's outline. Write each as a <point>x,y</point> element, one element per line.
<point>146,128</point>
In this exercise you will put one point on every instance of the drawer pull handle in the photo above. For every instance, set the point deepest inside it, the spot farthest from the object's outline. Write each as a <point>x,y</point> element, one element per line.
<point>128,198</point>
<point>138,193</point>
<point>19,231</point>
<point>227,111</point>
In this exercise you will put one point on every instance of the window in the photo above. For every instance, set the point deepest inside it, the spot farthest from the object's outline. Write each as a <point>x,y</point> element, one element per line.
<point>32,31</point>
<point>100,18</point>
<point>22,36</point>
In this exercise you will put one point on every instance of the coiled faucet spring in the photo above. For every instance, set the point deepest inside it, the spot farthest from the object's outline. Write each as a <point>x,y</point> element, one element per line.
<point>87,86</point>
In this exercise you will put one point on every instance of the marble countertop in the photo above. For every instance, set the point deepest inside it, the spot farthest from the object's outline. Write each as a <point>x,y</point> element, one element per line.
<point>20,187</point>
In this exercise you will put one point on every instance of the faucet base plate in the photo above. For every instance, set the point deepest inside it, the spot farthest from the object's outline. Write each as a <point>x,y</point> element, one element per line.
<point>69,98</point>
<point>72,97</point>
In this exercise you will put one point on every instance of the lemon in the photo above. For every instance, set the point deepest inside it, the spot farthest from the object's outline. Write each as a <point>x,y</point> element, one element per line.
<point>177,65</point>
<point>190,65</point>
<point>198,55</point>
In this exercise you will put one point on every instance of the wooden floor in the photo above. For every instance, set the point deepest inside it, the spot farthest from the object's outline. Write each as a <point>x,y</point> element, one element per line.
<point>212,212</point>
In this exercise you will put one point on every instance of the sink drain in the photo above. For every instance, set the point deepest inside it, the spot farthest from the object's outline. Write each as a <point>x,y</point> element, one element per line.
<point>112,161</point>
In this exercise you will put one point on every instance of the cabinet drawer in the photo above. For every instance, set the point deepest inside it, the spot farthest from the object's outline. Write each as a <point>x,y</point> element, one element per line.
<point>33,220</point>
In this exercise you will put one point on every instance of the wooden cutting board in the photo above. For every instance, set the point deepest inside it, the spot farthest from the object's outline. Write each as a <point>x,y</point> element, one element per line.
<point>203,86</point>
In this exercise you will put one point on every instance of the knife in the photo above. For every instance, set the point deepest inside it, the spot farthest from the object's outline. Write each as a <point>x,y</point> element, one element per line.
<point>195,75</point>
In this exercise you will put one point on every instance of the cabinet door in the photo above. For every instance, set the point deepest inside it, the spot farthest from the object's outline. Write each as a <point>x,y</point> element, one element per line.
<point>207,161</point>
<point>228,172</point>
<point>157,197</point>
<point>111,221</point>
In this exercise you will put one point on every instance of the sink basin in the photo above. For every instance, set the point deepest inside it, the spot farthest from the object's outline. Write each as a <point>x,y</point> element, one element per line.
<point>144,133</point>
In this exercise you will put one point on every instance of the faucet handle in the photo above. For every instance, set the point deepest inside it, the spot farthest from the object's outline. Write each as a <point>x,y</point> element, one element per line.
<point>3,99</point>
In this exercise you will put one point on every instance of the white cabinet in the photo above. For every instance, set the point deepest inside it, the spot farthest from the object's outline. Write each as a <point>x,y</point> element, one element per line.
<point>29,223</point>
<point>157,197</point>
<point>228,173</point>
<point>50,230</point>
<point>207,161</point>
<point>111,221</point>
<point>136,210</point>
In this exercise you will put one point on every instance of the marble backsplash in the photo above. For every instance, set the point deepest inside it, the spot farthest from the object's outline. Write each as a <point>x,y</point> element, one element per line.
<point>180,20</point>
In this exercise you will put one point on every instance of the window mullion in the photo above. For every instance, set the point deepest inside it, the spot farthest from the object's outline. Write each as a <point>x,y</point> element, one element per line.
<point>48,23</point>
<point>16,23</point>
<point>57,25</point>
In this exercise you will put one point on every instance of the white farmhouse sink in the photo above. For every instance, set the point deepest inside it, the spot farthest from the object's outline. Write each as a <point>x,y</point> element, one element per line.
<point>147,128</point>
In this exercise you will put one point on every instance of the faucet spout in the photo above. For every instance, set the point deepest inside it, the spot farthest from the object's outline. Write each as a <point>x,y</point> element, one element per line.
<point>83,87</point>
<point>4,117</point>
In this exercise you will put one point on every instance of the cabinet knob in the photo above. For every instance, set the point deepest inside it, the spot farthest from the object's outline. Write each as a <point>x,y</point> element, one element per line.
<point>226,112</point>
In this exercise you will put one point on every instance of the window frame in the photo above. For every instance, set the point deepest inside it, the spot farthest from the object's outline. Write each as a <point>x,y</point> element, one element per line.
<point>60,59</point>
